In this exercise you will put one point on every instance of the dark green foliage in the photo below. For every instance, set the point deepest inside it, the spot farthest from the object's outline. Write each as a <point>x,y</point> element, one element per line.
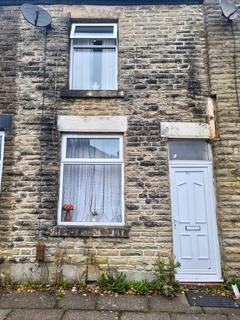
<point>114,282</point>
<point>164,277</point>
<point>62,283</point>
<point>140,287</point>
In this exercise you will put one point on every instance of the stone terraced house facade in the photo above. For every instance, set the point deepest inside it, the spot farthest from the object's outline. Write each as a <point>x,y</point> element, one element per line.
<point>127,113</point>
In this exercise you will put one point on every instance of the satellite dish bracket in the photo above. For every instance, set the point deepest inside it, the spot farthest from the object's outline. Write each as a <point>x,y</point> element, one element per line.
<point>232,14</point>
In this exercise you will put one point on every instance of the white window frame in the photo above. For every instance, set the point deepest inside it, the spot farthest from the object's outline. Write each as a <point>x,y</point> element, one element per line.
<point>114,35</point>
<point>94,35</point>
<point>2,134</point>
<point>65,160</point>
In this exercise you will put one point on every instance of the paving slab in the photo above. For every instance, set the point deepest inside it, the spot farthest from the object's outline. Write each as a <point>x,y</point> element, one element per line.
<point>4,313</point>
<point>233,317</point>
<point>181,316</point>
<point>145,316</point>
<point>38,300</point>
<point>122,303</point>
<point>77,301</point>
<point>178,304</point>
<point>89,315</point>
<point>35,314</point>
<point>223,310</point>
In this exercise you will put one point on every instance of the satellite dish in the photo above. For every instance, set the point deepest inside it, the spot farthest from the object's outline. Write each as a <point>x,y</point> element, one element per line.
<point>35,15</point>
<point>229,9</point>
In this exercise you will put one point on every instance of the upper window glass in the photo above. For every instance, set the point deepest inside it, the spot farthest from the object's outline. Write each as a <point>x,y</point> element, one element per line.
<point>95,148</point>
<point>188,150</point>
<point>93,63</point>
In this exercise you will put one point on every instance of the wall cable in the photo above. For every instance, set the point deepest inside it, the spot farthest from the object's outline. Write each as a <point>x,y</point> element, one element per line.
<point>41,124</point>
<point>56,81</point>
<point>235,67</point>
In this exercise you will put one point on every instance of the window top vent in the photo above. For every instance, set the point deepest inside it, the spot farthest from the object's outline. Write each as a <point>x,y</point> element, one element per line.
<point>94,30</point>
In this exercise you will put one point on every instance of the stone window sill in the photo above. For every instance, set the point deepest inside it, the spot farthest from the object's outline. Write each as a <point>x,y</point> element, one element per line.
<point>90,232</point>
<point>88,94</point>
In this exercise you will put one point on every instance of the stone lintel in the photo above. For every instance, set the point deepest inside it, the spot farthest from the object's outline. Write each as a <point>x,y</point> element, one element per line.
<point>185,130</point>
<point>92,124</point>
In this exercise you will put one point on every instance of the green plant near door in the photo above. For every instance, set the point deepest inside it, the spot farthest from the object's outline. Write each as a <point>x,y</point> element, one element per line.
<point>164,277</point>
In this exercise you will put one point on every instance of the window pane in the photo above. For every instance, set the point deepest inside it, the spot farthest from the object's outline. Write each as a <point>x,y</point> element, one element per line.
<point>188,150</point>
<point>93,29</point>
<point>94,69</point>
<point>0,148</point>
<point>92,148</point>
<point>94,191</point>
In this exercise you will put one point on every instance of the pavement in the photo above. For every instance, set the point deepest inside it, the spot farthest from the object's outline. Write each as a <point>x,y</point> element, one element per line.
<point>45,306</point>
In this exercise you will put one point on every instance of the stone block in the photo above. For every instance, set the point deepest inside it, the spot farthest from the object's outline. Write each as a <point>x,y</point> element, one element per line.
<point>199,317</point>
<point>145,316</point>
<point>4,313</point>
<point>77,301</point>
<point>38,300</point>
<point>35,314</point>
<point>126,303</point>
<point>179,304</point>
<point>89,315</point>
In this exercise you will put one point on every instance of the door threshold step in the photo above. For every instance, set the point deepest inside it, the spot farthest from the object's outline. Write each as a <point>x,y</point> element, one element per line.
<point>202,284</point>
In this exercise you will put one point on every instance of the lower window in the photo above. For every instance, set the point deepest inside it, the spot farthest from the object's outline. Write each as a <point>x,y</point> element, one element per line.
<point>91,184</point>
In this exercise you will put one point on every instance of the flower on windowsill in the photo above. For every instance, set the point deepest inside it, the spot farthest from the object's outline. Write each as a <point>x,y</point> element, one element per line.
<point>68,207</point>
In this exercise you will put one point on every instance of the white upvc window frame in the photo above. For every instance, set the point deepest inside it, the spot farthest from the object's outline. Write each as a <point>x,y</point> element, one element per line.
<point>65,160</point>
<point>90,35</point>
<point>2,135</point>
<point>114,35</point>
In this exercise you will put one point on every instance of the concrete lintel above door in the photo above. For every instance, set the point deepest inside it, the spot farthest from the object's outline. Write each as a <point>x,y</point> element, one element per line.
<point>185,130</point>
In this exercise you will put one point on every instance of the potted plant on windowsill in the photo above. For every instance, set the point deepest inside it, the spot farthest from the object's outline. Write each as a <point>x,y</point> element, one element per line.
<point>68,207</point>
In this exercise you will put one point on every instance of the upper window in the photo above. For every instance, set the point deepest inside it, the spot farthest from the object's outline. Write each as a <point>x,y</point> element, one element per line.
<point>91,186</point>
<point>2,135</point>
<point>93,64</point>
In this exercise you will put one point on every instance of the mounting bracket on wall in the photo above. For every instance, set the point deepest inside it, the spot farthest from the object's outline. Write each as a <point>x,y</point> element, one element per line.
<point>229,10</point>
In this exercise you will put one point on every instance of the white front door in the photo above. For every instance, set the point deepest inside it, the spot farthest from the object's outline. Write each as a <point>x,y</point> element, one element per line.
<point>194,221</point>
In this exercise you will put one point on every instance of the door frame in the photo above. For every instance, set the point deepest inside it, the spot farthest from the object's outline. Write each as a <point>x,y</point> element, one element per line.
<point>216,277</point>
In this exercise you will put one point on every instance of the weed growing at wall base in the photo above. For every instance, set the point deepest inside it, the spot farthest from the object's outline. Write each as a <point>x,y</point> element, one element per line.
<point>164,277</point>
<point>164,281</point>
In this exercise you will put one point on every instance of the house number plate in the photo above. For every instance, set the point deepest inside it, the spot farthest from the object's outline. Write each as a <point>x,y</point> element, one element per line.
<point>192,228</point>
